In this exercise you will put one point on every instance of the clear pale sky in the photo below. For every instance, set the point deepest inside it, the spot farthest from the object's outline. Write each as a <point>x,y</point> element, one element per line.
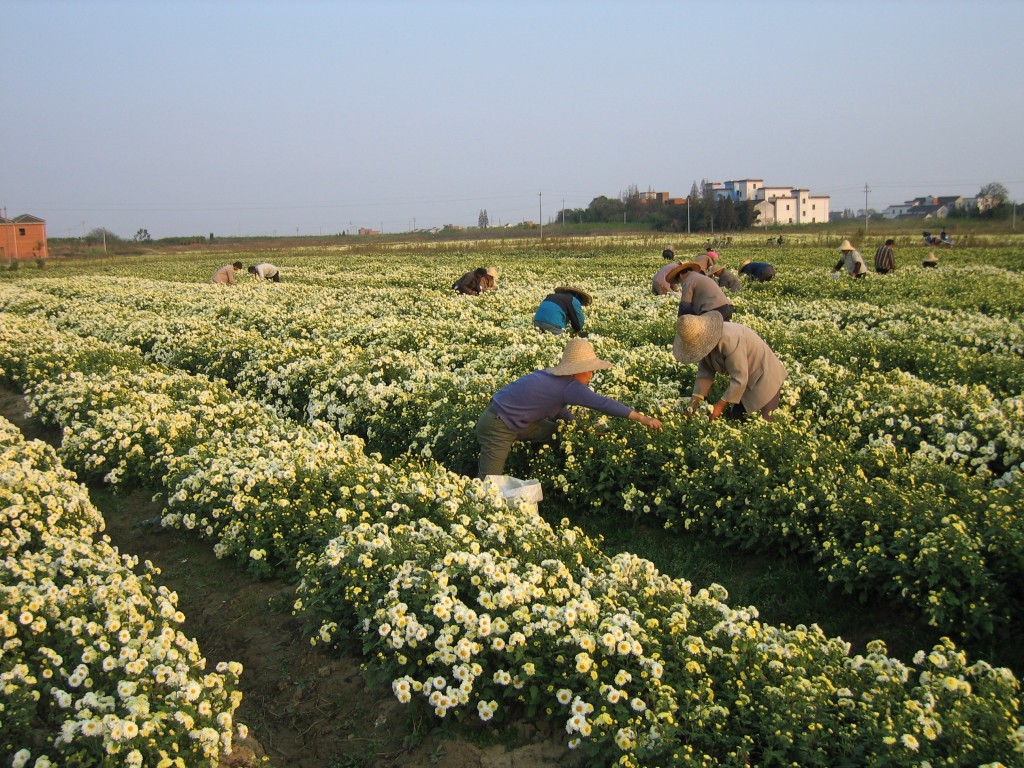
<point>185,117</point>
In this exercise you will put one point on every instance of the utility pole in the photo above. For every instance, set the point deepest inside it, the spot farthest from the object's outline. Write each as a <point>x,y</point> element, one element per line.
<point>540,213</point>
<point>866,190</point>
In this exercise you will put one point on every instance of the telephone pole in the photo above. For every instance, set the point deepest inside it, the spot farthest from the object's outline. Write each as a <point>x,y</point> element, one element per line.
<point>866,190</point>
<point>540,213</point>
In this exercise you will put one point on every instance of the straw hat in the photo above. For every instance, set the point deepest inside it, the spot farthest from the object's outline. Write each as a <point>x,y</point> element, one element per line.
<point>716,269</point>
<point>492,271</point>
<point>687,266</point>
<point>931,258</point>
<point>845,246</point>
<point>696,335</point>
<point>584,297</point>
<point>744,263</point>
<point>578,357</point>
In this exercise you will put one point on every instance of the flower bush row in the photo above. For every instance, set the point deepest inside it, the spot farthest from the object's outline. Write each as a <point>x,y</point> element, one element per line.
<point>853,429</point>
<point>94,667</point>
<point>479,609</point>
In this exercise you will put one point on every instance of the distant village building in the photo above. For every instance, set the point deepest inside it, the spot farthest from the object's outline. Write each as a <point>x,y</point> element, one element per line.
<point>930,207</point>
<point>776,205</point>
<point>23,237</point>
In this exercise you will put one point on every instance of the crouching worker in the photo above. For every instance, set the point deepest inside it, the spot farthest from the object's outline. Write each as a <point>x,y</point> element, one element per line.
<point>756,374</point>
<point>529,407</point>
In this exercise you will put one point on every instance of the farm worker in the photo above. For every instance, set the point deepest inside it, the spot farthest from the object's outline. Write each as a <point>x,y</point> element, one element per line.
<point>930,261</point>
<point>476,282</point>
<point>698,293</point>
<point>851,260</point>
<point>758,270</point>
<point>226,274</point>
<point>669,252</point>
<point>712,255</point>
<point>265,271</point>
<point>755,373</point>
<point>660,285</point>
<point>562,308</point>
<point>725,278</point>
<point>527,409</point>
<point>885,259</point>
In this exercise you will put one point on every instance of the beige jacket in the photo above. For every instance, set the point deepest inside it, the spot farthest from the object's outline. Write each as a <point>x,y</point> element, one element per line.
<point>756,373</point>
<point>225,275</point>
<point>698,294</point>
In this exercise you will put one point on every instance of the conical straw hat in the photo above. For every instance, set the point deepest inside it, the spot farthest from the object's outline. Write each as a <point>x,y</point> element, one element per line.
<point>696,335</point>
<point>578,357</point>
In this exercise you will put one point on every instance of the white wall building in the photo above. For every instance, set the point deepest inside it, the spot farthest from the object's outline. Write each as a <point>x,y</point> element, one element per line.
<point>776,205</point>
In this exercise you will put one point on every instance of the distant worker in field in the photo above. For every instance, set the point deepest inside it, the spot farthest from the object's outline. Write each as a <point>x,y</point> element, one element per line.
<point>944,238</point>
<point>479,281</point>
<point>562,309</point>
<point>659,283</point>
<point>761,271</point>
<point>669,252</point>
<point>885,258</point>
<point>698,293</point>
<point>265,271</point>
<point>718,347</point>
<point>725,278</point>
<point>530,407</point>
<point>930,261</point>
<point>226,274</point>
<point>850,260</point>
<point>706,260</point>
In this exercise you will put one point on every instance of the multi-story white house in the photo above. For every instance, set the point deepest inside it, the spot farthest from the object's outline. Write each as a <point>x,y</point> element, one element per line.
<point>776,205</point>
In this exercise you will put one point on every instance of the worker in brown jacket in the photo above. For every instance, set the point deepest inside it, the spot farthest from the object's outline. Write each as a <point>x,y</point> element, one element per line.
<point>755,373</point>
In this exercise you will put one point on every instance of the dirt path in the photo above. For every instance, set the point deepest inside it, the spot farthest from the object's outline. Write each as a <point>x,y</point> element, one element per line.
<point>306,708</point>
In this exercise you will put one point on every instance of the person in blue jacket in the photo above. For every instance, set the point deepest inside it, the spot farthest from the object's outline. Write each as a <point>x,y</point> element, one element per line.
<point>562,309</point>
<point>758,270</point>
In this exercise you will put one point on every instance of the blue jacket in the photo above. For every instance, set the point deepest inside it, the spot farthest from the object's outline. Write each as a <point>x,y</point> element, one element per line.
<point>560,309</point>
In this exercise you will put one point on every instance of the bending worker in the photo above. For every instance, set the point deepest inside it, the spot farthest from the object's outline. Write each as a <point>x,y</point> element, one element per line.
<point>527,409</point>
<point>265,271</point>
<point>698,293</point>
<point>755,373</point>
<point>562,308</point>
<point>761,271</point>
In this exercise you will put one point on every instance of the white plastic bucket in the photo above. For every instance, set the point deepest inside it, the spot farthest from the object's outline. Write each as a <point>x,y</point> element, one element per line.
<point>513,488</point>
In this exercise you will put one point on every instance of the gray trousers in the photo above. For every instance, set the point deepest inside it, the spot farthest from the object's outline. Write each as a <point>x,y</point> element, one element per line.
<point>496,440</point>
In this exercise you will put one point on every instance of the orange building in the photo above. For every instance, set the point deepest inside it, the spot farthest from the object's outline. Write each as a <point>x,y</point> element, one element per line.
<point>23,237</point>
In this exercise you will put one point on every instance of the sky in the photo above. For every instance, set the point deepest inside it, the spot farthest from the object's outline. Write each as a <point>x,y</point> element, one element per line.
<point>308,117</point>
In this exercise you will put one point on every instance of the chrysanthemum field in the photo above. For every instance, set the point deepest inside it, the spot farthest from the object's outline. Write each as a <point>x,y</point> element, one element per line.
<point>323,428</point>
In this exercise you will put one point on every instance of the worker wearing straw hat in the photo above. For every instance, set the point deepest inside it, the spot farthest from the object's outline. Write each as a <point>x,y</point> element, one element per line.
<point>725,278</point>
<point>755,373</point>
<point>562,309</point>
<point>698,293</point>
<point>527,409</point>
<point>930,261</point>
<point>851,260</point>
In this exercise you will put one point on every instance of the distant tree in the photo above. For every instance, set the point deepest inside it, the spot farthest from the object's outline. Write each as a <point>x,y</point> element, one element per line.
<point>631,203</point>
<point>725,214</point>
<point>101,235</point>
<point>996,192</point>
<point>482,221</point>
<point>142,236</point>
<point>694,193</point>
<point>605,209</point>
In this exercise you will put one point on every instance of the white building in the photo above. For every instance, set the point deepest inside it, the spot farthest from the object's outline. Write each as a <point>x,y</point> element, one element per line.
<point>776,205</point>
